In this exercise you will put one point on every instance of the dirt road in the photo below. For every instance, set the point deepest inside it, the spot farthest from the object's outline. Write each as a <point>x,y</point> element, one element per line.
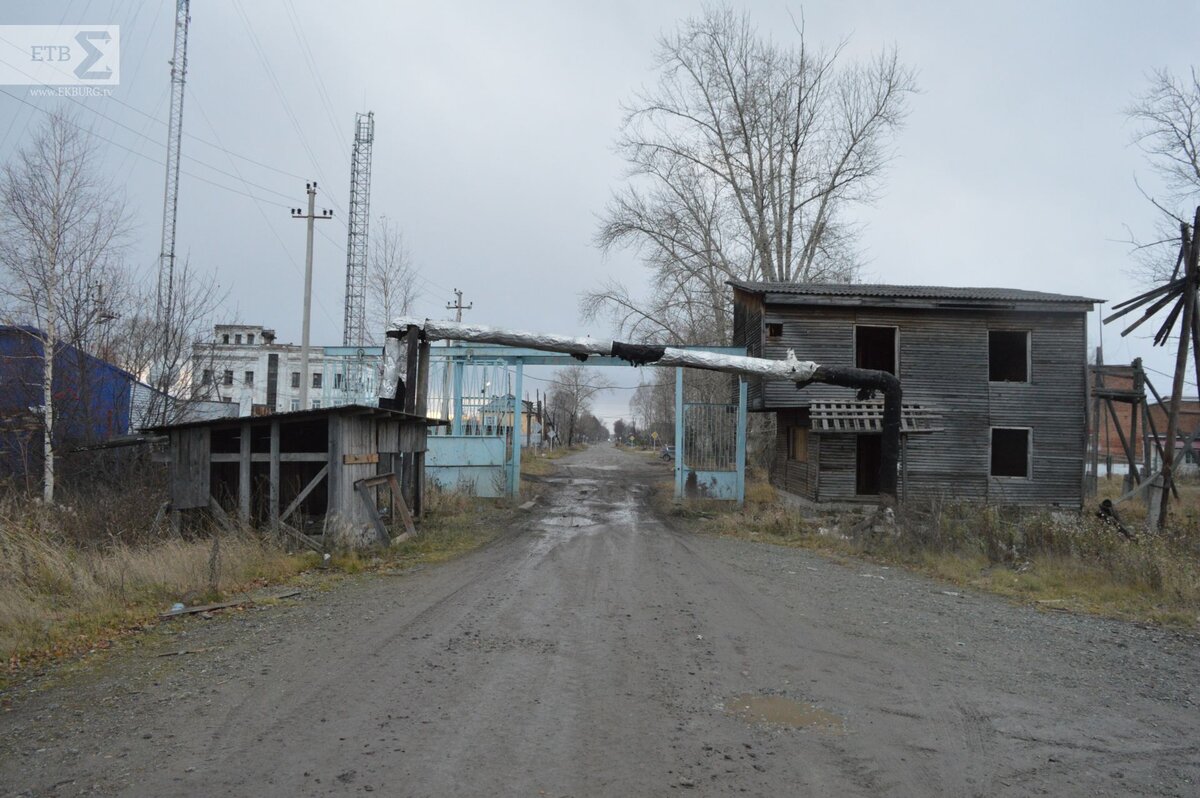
<point>593,651</point>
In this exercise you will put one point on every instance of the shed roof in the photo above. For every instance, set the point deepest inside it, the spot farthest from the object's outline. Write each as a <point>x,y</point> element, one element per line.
<point>305,415</point>
<point>946,296</point>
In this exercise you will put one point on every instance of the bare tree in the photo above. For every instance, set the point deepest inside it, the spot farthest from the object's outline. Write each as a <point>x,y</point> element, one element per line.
<point>167,356</point>
<point>1167,119</point>
<point>571,396</point>
<point>391,279</point>
<point>61,236</point>
<point>743,162</point>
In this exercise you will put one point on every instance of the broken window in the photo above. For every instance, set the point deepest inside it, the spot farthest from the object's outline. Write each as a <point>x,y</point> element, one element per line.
<point>868,458</point>
<point>227,378</point>
<point>1008,355</point>
<point>249,378</point>
<point>316,380</point>
<point>798,444</point>
<point>206,378</point>
<point>1010,452</point>
<point>225,338</point>
<point>875,348</point>
<point>774,329</point>
<point>295,379</point>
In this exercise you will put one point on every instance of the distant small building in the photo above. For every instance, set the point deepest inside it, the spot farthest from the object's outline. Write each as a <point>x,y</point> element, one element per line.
<point>244,365</point>
<point>994,381</point>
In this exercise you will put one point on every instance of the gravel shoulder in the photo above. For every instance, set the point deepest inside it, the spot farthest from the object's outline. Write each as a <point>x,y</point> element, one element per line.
<point>594,650</point>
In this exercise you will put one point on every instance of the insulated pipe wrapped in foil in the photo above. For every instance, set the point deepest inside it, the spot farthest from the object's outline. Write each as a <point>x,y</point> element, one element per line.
<point>392,355</point>
<point>477,333</point>
<point>787,369</point>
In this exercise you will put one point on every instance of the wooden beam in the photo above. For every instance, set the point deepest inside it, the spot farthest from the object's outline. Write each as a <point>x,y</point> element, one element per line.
<point>273,501</point>
<point>360,459</point>
<point>291,508</point>
<point>244,475</point>
<point>262,457</point>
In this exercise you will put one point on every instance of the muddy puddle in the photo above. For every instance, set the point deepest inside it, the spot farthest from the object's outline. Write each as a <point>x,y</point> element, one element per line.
<point>778,710</point>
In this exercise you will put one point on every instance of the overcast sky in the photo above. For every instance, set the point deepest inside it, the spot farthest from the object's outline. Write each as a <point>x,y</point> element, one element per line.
<point>494,132</point>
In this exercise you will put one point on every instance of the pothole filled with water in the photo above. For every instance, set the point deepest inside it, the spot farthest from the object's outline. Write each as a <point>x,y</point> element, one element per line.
<point>779,710</point>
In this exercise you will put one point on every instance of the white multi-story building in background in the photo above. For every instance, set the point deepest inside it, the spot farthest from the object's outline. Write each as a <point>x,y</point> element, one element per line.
<point>244,365</point>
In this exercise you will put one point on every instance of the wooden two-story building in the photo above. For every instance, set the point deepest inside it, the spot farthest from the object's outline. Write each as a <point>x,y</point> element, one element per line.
<point>994,380</point>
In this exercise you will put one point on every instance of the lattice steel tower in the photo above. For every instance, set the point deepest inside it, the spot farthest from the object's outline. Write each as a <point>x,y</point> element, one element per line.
<point>165,311</point>
<point>355,326</point>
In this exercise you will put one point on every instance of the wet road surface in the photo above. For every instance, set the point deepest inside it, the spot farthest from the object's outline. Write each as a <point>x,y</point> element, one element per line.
<point>596,651</point>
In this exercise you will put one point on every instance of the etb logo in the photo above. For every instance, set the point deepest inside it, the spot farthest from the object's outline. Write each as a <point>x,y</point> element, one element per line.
<point>60,55</point>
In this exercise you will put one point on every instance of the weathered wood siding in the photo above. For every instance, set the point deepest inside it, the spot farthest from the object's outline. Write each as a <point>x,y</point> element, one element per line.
<point>188,469</point>
<point>349,435</point>
<point>943,363</point>
<point>794,477</point>
<point>748,331</point>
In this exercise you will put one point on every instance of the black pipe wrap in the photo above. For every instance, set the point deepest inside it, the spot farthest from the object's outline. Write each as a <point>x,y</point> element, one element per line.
<point>637,354</point>
<point>868,381</point>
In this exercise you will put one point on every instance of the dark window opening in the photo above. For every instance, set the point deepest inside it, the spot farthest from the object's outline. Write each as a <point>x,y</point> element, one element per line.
<point>227,377</point>
<point>337,380</point>
<point>206,378</point>
<point>798,444</point>
<point>1008,356</point>
<point>1010,453</point>
<point>774,329</point>
<point>875,348</point>
<point>237,338</point>
<point>316,383</point>
<point>249,338</point>
<point>249,378</point>
<point>295,379</point>
<point>868,458</point>
<point>225,338</point>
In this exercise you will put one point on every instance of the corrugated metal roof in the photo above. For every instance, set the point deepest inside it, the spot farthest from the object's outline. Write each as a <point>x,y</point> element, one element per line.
<point>933,292</point>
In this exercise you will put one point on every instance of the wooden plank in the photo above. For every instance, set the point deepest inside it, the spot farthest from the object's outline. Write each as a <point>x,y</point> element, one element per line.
<point>291,508</point>
<point>360,459</point>
<point>244,475</point>
<point>273,499</point>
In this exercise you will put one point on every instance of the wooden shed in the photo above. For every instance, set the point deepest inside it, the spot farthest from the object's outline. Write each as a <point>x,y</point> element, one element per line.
<point>312,473</point>
<point>994,389</point>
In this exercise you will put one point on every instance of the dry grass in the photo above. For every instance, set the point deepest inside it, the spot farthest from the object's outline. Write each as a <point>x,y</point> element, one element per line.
<point>58,597</point>
<point>1057,561</point>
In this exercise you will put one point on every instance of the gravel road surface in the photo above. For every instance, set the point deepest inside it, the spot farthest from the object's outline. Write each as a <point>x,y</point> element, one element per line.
<point>594,650</point>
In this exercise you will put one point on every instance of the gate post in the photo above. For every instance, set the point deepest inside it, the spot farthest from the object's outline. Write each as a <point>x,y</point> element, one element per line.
<point>457,427</point>
<point>741,442</point>
<point>514,468</point>
<point>679,477</point>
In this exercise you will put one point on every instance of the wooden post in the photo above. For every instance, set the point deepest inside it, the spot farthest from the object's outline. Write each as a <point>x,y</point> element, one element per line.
<point>411,388</point>
<point>421,407</point>
<point>273,501</point>
<point>244,475</point>
<point>1181,358</point>
<point>1095,383</point>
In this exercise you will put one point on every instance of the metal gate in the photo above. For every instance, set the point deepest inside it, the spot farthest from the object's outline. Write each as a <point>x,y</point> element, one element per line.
<point>474,454</point>
<point>710,448</point>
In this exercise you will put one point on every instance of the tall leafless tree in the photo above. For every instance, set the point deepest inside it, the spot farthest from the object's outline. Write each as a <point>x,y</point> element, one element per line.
<point>392,287</point>
<point>61,234</point>
<point>571,396</point>
<point>1167,129</point>
<point>743,163</point>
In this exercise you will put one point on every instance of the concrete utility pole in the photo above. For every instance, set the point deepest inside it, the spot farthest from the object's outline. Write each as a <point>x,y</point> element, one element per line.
<point>312,217</point>
<point>457,306</point>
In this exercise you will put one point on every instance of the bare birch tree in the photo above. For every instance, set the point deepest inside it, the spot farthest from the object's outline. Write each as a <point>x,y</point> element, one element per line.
<point>743,163</point>
<point>571,396</point>
<point>61,236</point>
<point>391,279</point>
<point>1167,120</point>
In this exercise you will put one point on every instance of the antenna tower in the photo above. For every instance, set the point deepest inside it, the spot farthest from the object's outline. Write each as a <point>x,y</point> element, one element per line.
<point>354,329</point>
<point>165,309</point>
